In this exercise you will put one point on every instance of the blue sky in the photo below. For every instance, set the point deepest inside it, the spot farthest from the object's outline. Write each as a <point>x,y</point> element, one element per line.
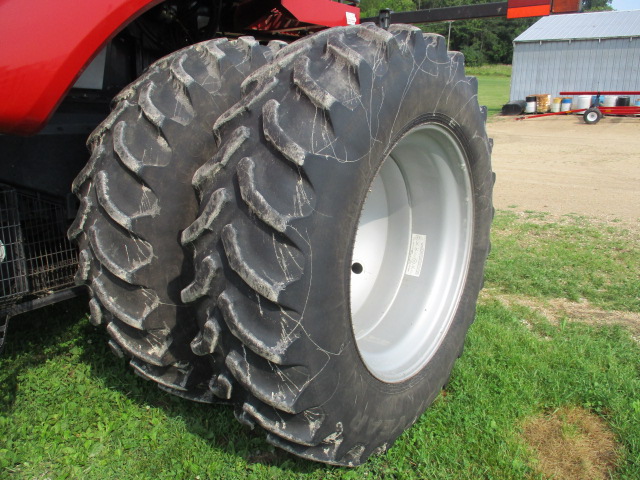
<point>626,4</point>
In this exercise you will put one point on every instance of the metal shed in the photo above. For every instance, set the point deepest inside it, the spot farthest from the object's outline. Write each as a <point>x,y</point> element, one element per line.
<point>578,52</point>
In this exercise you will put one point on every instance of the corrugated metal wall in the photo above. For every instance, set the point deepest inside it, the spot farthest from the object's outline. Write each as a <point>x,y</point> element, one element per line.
<point>578,65</point>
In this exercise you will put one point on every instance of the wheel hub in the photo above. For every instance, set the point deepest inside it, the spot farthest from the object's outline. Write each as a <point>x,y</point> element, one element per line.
<point>411,253</point>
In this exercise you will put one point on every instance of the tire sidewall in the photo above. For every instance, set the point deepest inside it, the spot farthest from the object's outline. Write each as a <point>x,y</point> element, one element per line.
<point>364,401</point>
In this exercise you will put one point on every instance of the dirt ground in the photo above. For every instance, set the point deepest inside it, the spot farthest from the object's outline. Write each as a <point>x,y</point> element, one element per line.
<point>562,165</point>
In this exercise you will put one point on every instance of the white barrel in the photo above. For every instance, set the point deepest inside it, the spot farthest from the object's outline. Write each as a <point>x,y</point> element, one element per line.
<point>555,105</point>
<point>565,105</point>
<point>610,100</point>
<point>531,104</point>
<point>584,101</point>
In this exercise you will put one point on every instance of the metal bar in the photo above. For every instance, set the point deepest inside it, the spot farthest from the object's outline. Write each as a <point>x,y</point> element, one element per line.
<point>550,114</point>
<point>601,93</point>
<point>431,15</point>
<point>4,325</point>
<point>30,305</point>
<point>619,110</point>
<point>528,3</point>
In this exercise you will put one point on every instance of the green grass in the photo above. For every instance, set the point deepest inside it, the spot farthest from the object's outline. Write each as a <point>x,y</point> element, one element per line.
<point>567,257</point>
<point>494,84</point>
<point>70,410</point>
<point>490,70</point>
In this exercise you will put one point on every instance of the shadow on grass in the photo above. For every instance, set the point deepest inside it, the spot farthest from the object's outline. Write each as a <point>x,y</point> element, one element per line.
<point>57,330</point>
<point>224,432</point>
<point>41,332</point>
<point>215,424</point>
<point>34,337</point>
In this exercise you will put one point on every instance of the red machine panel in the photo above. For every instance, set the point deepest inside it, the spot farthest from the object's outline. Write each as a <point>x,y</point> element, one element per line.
<point>528,8</point>
<point>540,8</point>
<point>323,12</point>
<point>566,6</point>
<point>296,17</point>
<point>45,47</point>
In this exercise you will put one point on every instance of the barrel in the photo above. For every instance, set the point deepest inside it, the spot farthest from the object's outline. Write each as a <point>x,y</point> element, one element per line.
<point>555,105</point>
<point>531,104</point>
<point>584,101</point>
<point>514,108</point>
<point>543,103</point>
<point>623,101</point>
<point>565,105</point>
<point>610,100</point>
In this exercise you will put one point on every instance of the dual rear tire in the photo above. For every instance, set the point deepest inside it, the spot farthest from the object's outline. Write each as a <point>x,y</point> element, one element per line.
<point>338,233</point>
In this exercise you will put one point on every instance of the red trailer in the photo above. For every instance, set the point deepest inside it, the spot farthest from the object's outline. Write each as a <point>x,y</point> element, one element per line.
<point>595,112</point>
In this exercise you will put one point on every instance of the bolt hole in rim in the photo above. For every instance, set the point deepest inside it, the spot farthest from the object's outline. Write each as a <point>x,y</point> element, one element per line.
<point>411,253</point>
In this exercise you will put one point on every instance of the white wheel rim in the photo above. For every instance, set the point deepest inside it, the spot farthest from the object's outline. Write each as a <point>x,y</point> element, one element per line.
<point>592,116</point>
<point>411,254</point>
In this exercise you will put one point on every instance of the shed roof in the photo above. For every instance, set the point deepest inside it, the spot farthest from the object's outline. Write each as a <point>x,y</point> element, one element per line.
<point>577,26</point>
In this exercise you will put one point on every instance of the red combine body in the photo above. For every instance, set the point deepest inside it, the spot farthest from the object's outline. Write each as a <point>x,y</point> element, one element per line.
<point>41,59</point>
<point>280,207</point>
<point>44,52</point>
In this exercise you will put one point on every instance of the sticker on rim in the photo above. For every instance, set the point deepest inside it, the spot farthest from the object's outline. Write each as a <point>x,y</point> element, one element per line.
<point>416,255</point>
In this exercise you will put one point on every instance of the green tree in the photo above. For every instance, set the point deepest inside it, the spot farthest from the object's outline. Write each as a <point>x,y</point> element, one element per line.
<point>487,40</point>
<point>596,5</point>
<point>371,8</point>
<point>483,40</point>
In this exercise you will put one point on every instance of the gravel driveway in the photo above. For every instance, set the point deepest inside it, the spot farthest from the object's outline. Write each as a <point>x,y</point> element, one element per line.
<point>561,165</point>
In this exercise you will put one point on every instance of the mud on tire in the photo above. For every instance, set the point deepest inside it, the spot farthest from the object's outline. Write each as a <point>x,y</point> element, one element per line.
<point>136,198</point>
<point>302,155</point>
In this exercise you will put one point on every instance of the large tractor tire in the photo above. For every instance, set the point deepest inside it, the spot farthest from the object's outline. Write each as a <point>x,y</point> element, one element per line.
<point>135,199</point>
<point>342,235</point>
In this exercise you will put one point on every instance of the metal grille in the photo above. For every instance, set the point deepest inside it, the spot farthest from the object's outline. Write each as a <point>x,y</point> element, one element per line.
<point>13,270</point>
<point>50,257</point>
<point>36,257</point>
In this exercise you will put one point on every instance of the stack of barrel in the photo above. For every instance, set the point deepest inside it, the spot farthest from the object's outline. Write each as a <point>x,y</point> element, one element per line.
<point>540,103</point>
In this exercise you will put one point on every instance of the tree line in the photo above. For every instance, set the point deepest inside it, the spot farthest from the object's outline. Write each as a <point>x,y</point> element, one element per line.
<point>487,40</point>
